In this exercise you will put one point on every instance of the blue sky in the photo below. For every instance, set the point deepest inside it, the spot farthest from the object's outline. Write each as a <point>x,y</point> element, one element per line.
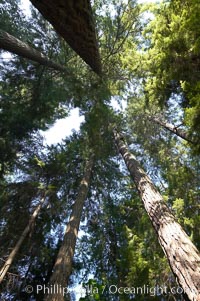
<point>64,127</point>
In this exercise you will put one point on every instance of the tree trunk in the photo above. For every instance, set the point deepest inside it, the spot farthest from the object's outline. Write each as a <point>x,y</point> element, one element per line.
<point>63,265</point>
<point>170,127</point>
<point>26,231</point>
<point>183,257</point>
<point>73,20</point>
<point>14,45</point>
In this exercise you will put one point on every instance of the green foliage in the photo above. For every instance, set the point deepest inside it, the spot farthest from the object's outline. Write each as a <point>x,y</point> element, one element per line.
<point>11,17</point>
<point>94,291</point>
<point>171,57</point>
<point>153,63</point>
<point>168,160</point>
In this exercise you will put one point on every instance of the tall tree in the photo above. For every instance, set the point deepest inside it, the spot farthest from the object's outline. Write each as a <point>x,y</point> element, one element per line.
<point>63,265</point>
<point>172,128</point>
<point>74,22</point>
<point>23,236</point>
<point>36,171</point>
<point>14,45</point>
<point>181,253</point>
<point>153,66</point>
<point>171,58</point>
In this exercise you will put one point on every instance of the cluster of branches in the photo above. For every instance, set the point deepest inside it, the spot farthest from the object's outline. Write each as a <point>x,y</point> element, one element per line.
<point>46,189</point>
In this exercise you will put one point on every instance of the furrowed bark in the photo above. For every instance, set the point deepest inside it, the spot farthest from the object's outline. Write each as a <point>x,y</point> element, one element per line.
<point>15,250</point>
<point>63,265</point>
<point>183,257</point>
<point>16,46</point>
<point>73,20</point>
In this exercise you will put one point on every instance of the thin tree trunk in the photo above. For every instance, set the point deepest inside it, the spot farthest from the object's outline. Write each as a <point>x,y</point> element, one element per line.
<point>170,127</point>
<point>14,45</point>
<point>26,231</point>
<point>183,257</point>
<point>63,265</point>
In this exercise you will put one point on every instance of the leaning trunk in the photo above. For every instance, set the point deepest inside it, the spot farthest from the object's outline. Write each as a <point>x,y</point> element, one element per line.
<point>173,129</point>
<point>16,46</point>
<point>15,250</point>
<point>63,265</point>
<point>73,20</point>
<point>183,257</point>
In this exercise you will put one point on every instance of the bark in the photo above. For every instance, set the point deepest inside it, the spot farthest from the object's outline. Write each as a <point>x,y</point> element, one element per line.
<point>73,20</point>
<point>16,46</point>
<point>170,127</point>
<point>15,250</point>
<point>183,257</point>
<point>63,265</point>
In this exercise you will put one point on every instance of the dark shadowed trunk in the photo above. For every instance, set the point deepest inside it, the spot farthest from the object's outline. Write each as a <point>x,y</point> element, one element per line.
<point>183,257</point>
<point>16,46</point>
<point>63,265</point>
<point>73,20</point>
<point>15,250</point>
<point>170,127</point>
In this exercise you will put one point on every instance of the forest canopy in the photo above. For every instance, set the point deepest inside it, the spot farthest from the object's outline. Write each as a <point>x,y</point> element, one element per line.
<point>114,206</point>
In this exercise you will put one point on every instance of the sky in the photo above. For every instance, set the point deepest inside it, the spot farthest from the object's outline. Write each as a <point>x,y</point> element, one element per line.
<point>64,127</point>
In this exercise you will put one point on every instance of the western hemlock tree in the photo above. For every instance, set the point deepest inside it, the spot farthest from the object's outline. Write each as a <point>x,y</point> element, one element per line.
<point>15,250</point>
<point>14,45</point>
<point>183,257</point>
<point>74,22</point>
<point>63,265</point>
<point>172,128</point>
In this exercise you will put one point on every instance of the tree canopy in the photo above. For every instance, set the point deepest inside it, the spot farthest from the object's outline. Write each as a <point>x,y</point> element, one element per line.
<point>150,60</point>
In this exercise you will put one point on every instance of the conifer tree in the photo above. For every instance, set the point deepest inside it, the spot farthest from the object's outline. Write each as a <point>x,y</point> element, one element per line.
<point>14,45</point>
<point>63,264</point>
<point>74,22</point>
<point>151,62</point>
<point>170,127</point>
<point>23,236</point>
<point>183,257</point>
